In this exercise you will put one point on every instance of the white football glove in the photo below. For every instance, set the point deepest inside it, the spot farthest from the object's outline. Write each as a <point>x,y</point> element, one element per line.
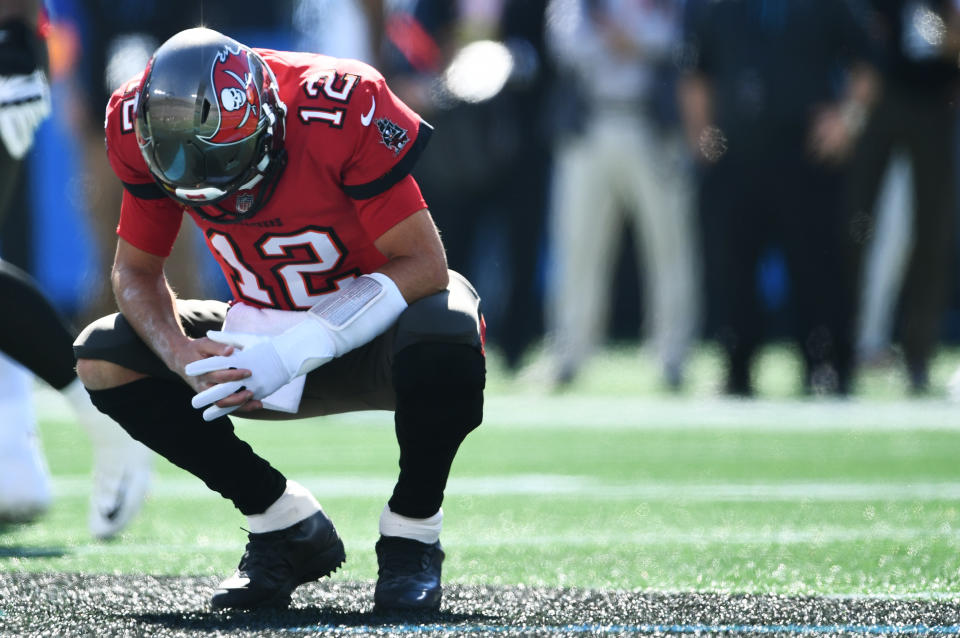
<point>24,89</point>
<point>24,103</point>
<point>262,356</point>
<point>341,322</point>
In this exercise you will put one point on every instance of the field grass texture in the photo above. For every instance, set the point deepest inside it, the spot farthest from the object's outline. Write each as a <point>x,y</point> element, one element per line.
<point>612,484</point>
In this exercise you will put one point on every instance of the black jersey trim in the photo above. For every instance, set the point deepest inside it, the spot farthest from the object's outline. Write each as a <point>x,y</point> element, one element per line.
<point>149,190</point>
<point>400,170</point>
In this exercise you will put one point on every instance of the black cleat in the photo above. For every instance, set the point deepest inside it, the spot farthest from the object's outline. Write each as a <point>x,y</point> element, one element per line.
<point>409,575</point>
<point>276,563</point>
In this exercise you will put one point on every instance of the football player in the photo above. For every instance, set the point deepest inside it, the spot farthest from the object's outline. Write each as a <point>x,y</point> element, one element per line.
<point>296,167</point>
<point>36,338</point>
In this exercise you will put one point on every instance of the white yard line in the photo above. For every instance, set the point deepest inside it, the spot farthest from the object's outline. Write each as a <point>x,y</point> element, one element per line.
<point>611,540</point>
<point>546,485</point>
<point>645,413</point>
<point>719,413</point>
<point>650,413</point>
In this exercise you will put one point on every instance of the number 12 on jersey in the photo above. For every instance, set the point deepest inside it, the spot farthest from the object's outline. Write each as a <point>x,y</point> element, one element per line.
<point>294,274</point>
<point>332,86</point>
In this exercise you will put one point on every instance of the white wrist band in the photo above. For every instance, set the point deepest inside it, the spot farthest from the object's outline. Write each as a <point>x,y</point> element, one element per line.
<point>341,322</point>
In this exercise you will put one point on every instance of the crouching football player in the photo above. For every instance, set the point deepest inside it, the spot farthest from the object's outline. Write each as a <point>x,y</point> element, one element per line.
<point>296,168</point>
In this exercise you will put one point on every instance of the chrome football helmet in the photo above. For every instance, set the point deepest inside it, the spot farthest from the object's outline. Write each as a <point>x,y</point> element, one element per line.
<point>210,123</point>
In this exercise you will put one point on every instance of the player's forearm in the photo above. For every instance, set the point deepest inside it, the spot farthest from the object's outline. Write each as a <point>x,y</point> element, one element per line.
<point>416,260</point>
<point>146,301</point>
<point>417,277</point>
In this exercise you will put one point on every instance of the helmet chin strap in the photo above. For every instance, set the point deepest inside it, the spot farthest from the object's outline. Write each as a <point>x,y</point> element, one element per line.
<point>212,194</point>
<point>200,194</point>
<point>270,178</point>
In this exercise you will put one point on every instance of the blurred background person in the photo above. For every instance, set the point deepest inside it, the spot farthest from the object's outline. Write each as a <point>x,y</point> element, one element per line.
<point>915,119</point>
<point>340,28</point>
<point>34,337</point>
<point>886,237</point>
<point>619,165</point>
<point>774,133</point>
<point>476,70</point>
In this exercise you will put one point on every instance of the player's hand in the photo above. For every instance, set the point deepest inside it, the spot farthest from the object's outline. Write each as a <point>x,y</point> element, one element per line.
<point>191,350</point>
<point>197,349</point>
<point>24,90</point>
<point>252,354</point>
<point>24,103</point>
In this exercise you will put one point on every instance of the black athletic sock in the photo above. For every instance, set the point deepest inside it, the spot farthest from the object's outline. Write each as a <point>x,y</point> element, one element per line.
<point>157,412</point>
<point>32,331</point>
<point>439,390</point>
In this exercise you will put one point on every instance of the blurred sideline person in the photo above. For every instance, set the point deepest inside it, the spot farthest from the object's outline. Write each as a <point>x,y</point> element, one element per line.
<point>477,69</point>
<point>34,335</point>
<point>620,162</point>
<point>296,168</point>
<point>774,135</point>
<point>915,116</point>
<point>340,28</point>
<point>522,207</point>
<point>888,237</point>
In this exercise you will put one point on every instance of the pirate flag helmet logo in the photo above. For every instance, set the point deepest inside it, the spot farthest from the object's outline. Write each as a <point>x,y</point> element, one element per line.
<point>235,95</point>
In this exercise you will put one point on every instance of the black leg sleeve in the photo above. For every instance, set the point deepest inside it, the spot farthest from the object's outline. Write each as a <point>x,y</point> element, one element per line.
<point>439,388</point>
<point>157,412</point>
<point>32,332</point>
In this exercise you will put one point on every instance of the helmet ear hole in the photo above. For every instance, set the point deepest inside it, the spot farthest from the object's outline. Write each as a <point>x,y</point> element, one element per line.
<point>205,112</point>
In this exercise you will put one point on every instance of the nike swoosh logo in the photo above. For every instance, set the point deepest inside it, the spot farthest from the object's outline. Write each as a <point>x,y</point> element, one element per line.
<point>366,119</point>
<point>112,513</point>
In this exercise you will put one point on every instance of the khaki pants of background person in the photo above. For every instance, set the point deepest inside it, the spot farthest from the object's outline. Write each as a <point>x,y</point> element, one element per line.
<point>621,169</point>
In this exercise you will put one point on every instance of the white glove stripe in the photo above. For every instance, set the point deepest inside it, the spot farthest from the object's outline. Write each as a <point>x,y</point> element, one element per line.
<point>210,364</point>
<point>24,103</point>
<point>241,340</point>
<point>16,89</point>
<point>215,393</point>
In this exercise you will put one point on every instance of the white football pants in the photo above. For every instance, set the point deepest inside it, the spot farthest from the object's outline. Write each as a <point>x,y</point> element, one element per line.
<point>25,489</point>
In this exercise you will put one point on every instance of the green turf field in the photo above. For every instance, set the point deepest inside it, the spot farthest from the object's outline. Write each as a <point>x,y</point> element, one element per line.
<point>612,484</point>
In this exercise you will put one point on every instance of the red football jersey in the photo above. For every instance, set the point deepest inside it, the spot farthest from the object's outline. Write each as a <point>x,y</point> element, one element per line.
<point>350,143</point>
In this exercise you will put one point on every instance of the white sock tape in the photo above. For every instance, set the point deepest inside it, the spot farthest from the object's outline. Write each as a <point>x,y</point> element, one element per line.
<point>295,504</point>
<point>425,530</point>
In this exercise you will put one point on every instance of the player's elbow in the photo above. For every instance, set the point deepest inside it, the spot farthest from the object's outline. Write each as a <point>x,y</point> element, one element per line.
<point>435,272</point>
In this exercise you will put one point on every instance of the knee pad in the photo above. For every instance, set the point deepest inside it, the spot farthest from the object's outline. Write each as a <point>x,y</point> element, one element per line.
<point>439,365</point>
<point>441,383</point>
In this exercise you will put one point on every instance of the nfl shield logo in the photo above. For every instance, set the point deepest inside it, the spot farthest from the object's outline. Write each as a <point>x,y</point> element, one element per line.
<point>244,202</point>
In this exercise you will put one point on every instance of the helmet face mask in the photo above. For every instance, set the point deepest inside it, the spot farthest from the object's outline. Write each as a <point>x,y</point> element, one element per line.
<point>210,123</point>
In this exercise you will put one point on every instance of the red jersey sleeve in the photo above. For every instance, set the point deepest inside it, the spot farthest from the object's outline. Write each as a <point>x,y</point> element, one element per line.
<point>381,212</point>
<point>390,138</point>
<point>149,220</point>
<point>149,225</point>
